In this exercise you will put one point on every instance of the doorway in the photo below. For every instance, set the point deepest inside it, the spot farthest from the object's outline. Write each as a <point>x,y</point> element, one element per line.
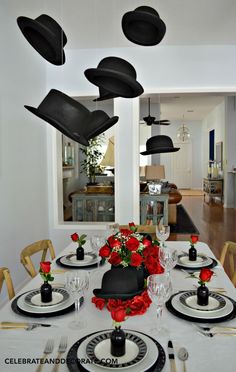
<point>181,166</point>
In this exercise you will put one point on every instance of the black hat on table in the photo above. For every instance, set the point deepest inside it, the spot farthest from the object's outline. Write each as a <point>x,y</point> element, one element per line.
<point>159,144</point>
<point>143,26</point>
<point>116,76</point>
<point>46,36</point>
<point>118,283</point>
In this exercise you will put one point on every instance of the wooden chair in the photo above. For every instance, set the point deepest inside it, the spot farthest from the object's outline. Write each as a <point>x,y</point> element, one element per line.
<point>229,250</point>
<point>27,252</point>
<point>5,275</point>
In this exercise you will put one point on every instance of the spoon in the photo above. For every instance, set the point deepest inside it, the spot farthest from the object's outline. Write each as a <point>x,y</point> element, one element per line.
<point>183,355</point>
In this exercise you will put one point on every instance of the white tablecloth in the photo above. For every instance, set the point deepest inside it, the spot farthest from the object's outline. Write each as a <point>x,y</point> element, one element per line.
<point>217,354</point>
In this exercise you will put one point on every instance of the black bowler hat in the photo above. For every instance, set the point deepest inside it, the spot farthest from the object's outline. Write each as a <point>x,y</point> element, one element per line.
<point>116,76</point>
<point>143,26</point>
<point>159,144</point>
<point>118,283</point>
<point>99,122</point>
<point>46,36</point>
<point>103,95</point>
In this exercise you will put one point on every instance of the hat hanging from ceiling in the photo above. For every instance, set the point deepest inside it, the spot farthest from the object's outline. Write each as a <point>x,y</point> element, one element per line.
<point>46,36</point>
<point>159,144</point>
<point>72,118</point>
<point>116,76</point>
<point>104,94</point>
<point>119,283</point>
<point>143,26</point>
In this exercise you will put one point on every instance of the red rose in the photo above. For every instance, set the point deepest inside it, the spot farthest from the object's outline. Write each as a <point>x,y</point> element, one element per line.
<point>135,259</point>
<point>132,244</point>
<point>75,237</point>
<point>118,315</point>
<point>126,232</point>
<point>114,242</point>
<point>194,239</point>
<point>105,251</point>
<point>45,266</point>
<point>138,306</point>
<point>99,302</point>
<point>205,275</point>
<point>146,242</point>
<point>146,298</point>
<point>114,258</point>
<point>131,224</point>
<point>113,304</point>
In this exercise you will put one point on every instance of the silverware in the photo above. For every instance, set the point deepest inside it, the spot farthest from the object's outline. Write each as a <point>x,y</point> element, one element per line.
<point>47,350</point>
<point>211,334</point>
<point>214,328</point>
<point>26,326</point>
<point>61,349</point>
<point>171,356</point>
<point>183,355</point>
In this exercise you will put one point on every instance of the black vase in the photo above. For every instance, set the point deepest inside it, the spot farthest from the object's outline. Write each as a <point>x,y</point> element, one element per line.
<point>46,292</point>
<point>192,253</point>
<point>202,295</point>
<point>118,342</point>
<point>80,253</point>
<point>140,273</point>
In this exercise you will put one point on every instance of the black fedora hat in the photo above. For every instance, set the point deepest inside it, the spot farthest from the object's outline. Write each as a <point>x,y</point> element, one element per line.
<point>118,283</point>
<point>116,76</point>
<point>143,26</point>
<point>65,114</point>
<point>159,144</point>
<point>99,122</point>
<point>46,36</point>
<point>104,94</point>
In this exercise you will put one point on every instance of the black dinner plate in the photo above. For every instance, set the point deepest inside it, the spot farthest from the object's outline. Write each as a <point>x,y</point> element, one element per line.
<point>20,311</point>
<point>74,365</point>
<point>175,312</point>
<point>58,261</point>
<point>197,268</point>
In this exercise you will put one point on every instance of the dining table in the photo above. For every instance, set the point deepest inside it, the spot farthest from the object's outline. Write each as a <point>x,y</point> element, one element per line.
<point>20,348</point>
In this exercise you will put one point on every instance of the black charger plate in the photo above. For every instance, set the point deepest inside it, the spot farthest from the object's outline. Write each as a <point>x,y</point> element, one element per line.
<point>58,261</point>
<point>74,365</point>
<point>197,268</point>
<point>175,312</point>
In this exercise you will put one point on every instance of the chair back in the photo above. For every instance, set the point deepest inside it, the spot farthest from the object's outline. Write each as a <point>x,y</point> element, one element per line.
<point>229,250</point>
<point>5,275</point>
<point>27,252</point>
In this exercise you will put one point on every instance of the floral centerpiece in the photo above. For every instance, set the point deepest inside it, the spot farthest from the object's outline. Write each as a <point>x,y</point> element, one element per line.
<point>81,241</point>
<point>46,288</point>
<point>202,291</point>
<point>192,250</point>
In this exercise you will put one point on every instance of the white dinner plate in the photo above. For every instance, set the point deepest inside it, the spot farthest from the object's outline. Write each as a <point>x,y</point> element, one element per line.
<point>59,295</point>
<point>144,364</point>
<point>177,305</point>
<point>41,310</point>
<point>216,302</point>
<point>201,261</point>
<point>89,259</point>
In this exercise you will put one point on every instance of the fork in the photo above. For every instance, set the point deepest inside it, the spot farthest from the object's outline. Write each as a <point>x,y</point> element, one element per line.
<point>209,329</point>
<point>210,334</point>
<point>47,350</point>
<point>61,349</point>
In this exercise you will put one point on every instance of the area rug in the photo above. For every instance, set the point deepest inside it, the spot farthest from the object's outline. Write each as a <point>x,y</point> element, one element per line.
<point>191,192</point>
<point>184,223</point>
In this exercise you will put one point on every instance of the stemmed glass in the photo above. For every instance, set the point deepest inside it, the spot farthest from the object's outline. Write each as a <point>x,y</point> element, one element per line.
<point>159,290</point>
<point>77,283</point>
<point>162,232</point>
<point>168,257</point>
<point>97,241</point>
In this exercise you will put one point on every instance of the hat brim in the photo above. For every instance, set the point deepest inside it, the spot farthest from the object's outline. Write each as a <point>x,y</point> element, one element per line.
<point>48,47</point>
<point>149,31</point>
<point>75,136</point>
<point>102,127</point>
<point>160,150</point>
<point>105,96</point>
<point>122,296</point>
<point>125,87</point>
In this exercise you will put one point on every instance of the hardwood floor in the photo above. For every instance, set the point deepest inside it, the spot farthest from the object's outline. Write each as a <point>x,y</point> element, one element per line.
<point>215,223</point>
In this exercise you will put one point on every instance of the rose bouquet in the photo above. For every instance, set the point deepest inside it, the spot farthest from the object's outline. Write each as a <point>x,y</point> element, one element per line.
<point>129,248</point>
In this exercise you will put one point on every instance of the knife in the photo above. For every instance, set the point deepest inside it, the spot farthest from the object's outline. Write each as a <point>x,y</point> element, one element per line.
<point>171,357</point>
<point>23,325</point>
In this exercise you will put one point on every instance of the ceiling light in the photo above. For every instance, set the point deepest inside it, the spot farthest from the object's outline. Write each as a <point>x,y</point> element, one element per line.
<point>183,133</point>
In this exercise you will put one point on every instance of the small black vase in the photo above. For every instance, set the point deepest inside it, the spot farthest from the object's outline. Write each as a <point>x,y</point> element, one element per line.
<point>118,342</point>
<point>192,253</point>
<point>80,253</point>
<point>202,295</point>
<point>46,292</point>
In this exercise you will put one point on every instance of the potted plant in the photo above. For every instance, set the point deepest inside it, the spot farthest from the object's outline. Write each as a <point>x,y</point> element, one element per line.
<point>93,156</point>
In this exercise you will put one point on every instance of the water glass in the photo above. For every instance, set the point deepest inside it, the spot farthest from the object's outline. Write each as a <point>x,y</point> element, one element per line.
<point>162,232</point>
<point>168,257</point>
<point>97,241</point>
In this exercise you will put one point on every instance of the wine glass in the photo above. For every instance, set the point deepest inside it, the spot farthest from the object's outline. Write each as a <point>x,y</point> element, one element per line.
<point>162,232</point>
<point>159,290</point>
<point>77,283</point>
<point>97,241</point>
<point>168,257</point>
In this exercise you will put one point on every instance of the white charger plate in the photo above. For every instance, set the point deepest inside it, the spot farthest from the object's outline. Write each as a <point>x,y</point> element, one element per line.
<point>201,261</point>
<point>143,365</point>
<point>216,302</point>
<point>42,310</point>
<point>177,305</point>
<point>89,259</point>
<point>59,295</point>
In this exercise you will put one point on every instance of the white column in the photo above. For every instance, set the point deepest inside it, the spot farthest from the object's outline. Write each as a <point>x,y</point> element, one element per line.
<point>127,160</point>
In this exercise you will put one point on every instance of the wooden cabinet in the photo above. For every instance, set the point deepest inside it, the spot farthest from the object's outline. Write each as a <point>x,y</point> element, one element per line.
<point>93,207</point>
<point>213,187</point>
<point>153,208</point>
